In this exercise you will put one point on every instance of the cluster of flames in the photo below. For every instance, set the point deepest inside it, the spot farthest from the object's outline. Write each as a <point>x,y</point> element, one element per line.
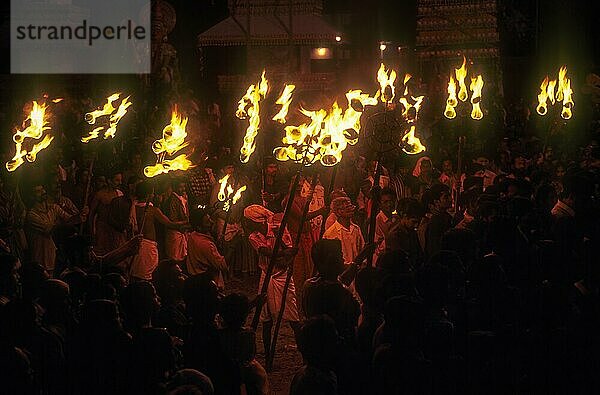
<point>411,105</point>
<point>327,134</point>
<point>476,88</point>
<point>35,127</point>
<point>114,116</point>
<point>324,138</point>
<point>249,108</point>
<point>172,141</point>
<point>227,194</point>
<point>556,91</point>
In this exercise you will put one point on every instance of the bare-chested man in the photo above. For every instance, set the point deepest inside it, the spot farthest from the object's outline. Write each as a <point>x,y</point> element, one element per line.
<point>107,237</point>
<point>144,218</point>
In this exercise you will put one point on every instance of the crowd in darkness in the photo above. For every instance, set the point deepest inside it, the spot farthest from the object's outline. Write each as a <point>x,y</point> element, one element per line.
<point>483,279</point>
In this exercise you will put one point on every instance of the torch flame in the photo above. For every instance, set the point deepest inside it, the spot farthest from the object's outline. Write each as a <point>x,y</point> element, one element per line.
<point>226,193</point>
<point>411,144</point>
<point>38,124</point>
<point>406,78</point>
<point>542,107</point>
<point>461,74</point>
<point>327,134</point>
<point>284,101</point>
<point>115,115</point>
<point>451,102</point>
<point>564,94</point>
<point>172,141</point>
<point>567,100</point>
<point>181,162</point>
<point>386,81</point>
<point>562,73</point>
<point>174,135</point>
<point>550,92</point>
<point>248,107</point>
<point>476,87</point>
<point>417,101</point>
<point>222,185</point>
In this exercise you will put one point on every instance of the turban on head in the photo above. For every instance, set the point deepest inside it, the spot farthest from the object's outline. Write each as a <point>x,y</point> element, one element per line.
<point>257,213</point>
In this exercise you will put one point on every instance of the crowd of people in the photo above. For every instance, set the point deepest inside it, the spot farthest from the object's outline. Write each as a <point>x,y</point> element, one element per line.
<point>478,279</point>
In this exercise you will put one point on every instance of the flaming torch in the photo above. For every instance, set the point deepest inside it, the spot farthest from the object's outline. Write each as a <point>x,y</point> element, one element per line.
<point>173,141</point>
<point>322,139</point>
<point>108,110</point>
<point>33,127</point>
<point>249,108</point>
<point>386,79</point>
<point>228,194</point>
<point>476,88</point>
<point>284,101</point>
<point>556,91</point>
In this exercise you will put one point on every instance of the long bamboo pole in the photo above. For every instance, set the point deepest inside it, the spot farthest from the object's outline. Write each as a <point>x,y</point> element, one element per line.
<point>276,247</point>
<point>290,272</point>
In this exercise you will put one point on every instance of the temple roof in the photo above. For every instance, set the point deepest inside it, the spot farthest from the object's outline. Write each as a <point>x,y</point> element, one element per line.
<point>269,29</point>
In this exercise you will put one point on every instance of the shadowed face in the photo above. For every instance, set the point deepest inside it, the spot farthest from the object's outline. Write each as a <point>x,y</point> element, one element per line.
<point>425,167</point>
<point>344,208</point>
<point>271,169</point>
<point>447,166</point>
<point>387,204</point>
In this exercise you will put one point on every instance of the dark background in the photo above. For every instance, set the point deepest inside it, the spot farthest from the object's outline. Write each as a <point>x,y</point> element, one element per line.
<point>536,36</point>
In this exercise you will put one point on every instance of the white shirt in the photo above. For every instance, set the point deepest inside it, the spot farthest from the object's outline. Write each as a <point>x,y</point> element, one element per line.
<point>352,239</point>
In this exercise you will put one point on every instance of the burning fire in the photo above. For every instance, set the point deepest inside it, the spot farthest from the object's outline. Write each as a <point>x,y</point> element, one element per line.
<point>181,162</point>
<point>172,141</point>
<point>563,94</point>
<point>386,79</point>
<point>114,114</point>
<point>284,101</point>
<point>461,74</point>
<point>476,88</point>
<point>248,107</point>
<point>452,101</point>
<point>227,195</point>
<point>411,144</point>
<point>327,134</point>
<point>37,124</point>
<point>542,107</point>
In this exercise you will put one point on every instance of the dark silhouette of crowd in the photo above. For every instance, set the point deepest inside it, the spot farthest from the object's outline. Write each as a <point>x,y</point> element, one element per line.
<point>483,279</point>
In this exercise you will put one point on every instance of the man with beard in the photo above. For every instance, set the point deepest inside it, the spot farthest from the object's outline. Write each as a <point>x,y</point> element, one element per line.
<point>41,220</point>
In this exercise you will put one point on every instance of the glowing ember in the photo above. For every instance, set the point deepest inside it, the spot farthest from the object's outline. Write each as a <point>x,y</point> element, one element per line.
<point>386,79</point>
<point>172,141</point>
<point>476,87</point>
<point>411,144</point>
<point>461,74</point>
<point>37,124</point>
<point>249,108</point>
<point>451,102</point>
<point>284,101</point>
<point>114,114</point>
